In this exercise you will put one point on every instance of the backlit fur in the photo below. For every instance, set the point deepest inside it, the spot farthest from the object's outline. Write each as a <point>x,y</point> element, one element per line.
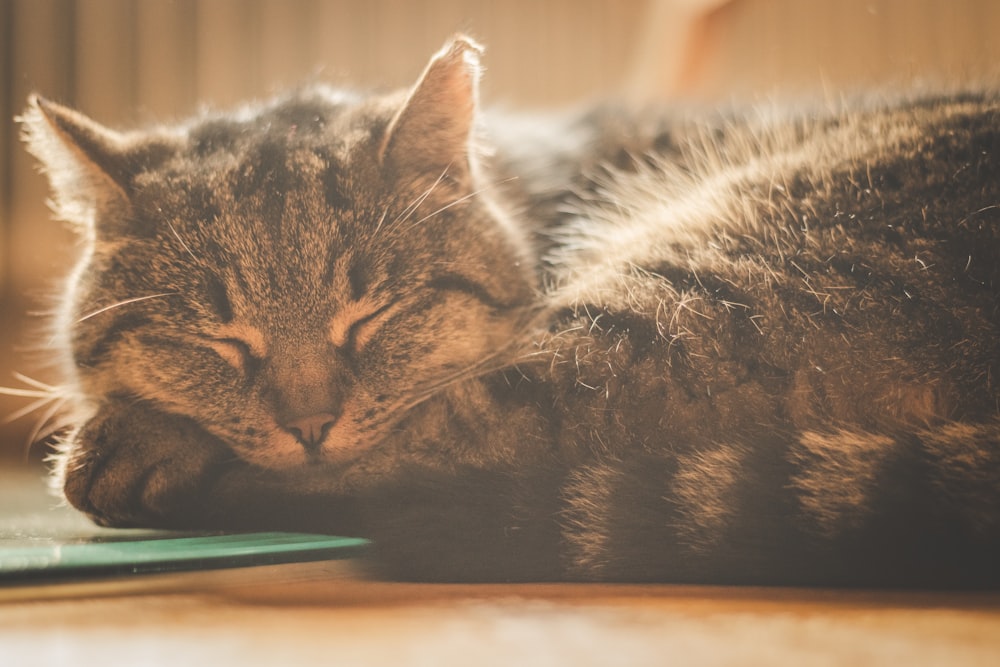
<point>755,345</point>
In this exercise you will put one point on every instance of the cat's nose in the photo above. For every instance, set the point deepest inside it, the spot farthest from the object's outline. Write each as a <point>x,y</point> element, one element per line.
<point>311,430</point>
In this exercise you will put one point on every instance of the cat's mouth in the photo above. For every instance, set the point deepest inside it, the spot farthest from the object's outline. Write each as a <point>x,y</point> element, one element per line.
<point>283,449</point>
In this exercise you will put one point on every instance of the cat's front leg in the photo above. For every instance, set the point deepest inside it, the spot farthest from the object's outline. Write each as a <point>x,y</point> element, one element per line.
<point>132,465</point>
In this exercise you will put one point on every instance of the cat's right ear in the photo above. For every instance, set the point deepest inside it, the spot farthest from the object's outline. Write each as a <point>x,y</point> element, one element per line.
<point>434,128</point>
<point>89,166</point>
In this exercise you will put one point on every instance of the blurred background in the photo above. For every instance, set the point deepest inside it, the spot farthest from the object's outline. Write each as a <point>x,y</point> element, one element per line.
<point>128,62</point>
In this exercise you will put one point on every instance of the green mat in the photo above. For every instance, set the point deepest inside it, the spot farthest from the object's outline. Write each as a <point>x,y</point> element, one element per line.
<point>43,541</point>
<point>169,554</point>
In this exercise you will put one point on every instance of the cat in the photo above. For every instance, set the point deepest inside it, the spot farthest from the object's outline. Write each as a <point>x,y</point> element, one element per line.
<point>744,346</point>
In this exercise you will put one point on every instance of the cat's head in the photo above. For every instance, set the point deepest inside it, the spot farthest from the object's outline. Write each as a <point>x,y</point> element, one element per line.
<point>293,276</point>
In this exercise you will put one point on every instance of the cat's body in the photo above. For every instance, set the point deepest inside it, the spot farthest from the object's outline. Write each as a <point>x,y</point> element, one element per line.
<point>749,347</point>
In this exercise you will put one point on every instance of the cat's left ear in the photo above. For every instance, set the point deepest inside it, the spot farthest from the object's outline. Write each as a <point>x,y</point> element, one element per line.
<point>434,128</point>
<point>90,167</point>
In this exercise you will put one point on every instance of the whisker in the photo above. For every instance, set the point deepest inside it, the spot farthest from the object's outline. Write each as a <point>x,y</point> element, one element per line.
<point>46,426</point>
<point>124,303</point>
<point>415,204</point>
<point>24,393</point>
<point>183,244</point>
<point>28,409</point>
<point>32,382</point>
<point>378,226</point>
<point>470,373</point>
<point>498,360</point>
<point>44,395</point>
<point>464,198</point>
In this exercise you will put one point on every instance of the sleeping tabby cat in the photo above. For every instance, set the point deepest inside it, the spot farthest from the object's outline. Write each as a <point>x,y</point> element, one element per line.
<point>749,346</point>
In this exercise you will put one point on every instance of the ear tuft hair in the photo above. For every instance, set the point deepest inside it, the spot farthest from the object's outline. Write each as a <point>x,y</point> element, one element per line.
<point>90,167</point>
<point>83,160</point>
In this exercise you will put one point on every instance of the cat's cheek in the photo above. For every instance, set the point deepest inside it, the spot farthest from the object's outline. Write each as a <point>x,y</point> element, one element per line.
<point>345,442</point>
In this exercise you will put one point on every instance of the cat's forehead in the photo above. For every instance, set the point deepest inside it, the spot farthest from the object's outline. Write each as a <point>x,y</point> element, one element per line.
<point>297,159</point>
<point>291,200</point>
<point>282,201</point>
<point>316,115</point>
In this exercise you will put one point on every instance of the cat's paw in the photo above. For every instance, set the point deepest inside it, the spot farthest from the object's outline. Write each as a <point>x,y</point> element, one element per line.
<point>133,466</point>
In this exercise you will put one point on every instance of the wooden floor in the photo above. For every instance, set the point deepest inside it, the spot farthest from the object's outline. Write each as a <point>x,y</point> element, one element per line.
<point>325,613</point>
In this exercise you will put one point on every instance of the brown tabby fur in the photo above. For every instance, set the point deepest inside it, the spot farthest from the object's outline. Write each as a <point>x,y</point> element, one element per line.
<point>751,346</point>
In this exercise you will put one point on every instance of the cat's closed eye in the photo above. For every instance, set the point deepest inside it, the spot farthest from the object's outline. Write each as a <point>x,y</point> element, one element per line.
<point>356,324</point>
<point>236,352</point>
<point>241,347</point>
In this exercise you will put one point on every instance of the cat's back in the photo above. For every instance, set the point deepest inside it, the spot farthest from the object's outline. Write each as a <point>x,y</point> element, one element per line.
<point>782,175</point>
<point>785,324</point>
<point>815,266</point>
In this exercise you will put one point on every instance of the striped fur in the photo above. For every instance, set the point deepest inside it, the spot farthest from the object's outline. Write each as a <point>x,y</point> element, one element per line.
<point>750,346</point>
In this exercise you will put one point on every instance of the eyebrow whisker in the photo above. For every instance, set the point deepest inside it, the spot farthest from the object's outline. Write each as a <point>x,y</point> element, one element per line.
<point>183,244</point>
<point>124,302</point>
<point>464,198</point>
<point>415,204</point>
